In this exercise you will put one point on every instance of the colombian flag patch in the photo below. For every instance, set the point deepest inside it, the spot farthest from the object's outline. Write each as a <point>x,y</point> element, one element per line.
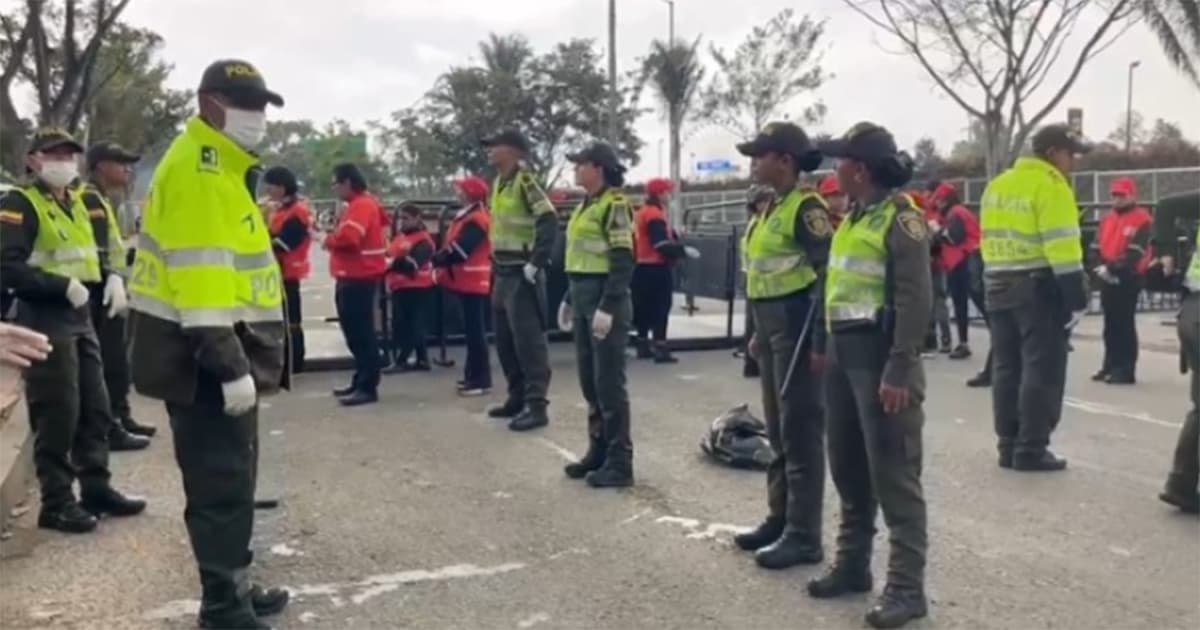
<point>12,216</point>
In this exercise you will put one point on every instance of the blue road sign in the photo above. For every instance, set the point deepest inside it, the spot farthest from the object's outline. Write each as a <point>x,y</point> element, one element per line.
<point>714,165</point>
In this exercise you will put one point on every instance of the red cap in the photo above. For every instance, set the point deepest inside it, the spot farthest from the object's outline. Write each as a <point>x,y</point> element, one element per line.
<point>658,186</point>
<point>475,188</point>
<point>942,191</point>
<point>1123,186</point>
<point>829,186</point>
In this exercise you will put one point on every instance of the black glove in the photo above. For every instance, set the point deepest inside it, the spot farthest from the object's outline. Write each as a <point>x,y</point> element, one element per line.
<point>443,258</point>
<point>405,266</point>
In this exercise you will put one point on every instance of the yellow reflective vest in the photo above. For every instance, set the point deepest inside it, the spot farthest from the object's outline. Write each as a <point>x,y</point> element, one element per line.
<point>114,247</point>
<point>1192,279</point>
<point>204,253</point>
<point>1030,221</point>
<point>594,229</point>
<point>856,280</point>
<point>515,206</point>
<point>65,245</point>
<point>774,262</point>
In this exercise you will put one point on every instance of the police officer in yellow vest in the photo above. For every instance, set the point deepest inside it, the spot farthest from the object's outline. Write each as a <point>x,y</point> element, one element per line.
<point>1035,289</point>
<point>784,252</point>
<point>599,265</point>
<point>207,329</point>
<point>1184,481</point>
<point>47,256</point>
<point>878,299</point>
<point>523,230</point>
<point>109,171</point>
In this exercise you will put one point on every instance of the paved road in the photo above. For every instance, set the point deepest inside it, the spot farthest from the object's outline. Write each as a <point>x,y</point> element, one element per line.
<point>421,512</point>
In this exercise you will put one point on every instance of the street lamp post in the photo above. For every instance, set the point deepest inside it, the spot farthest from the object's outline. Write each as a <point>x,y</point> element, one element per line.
<point>612,73</point>
<point>1129,109</point>
<point>660,145</point>
<point>670,21</point>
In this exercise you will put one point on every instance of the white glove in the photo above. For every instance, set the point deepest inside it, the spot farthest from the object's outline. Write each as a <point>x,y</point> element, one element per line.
<point>1076,317</point>
<point>77,294</point>
<point>531,272</point>
<point>566,317</point>
<point>601,324</point>
<point>114,296</point>
<point>1106,275</point>
<point>691,252</point>
<point>934,226</point>
<point>240,395</point>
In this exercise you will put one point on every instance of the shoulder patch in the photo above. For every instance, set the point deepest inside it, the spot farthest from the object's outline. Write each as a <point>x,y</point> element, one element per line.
<point>209,160</point>
<point>12,217</point>
<point>817,222</point>
<point>913,225</point>
<point>620,214</point>
<point>902,201</point>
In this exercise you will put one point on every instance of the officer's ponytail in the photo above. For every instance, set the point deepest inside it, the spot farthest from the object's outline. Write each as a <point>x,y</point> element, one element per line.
<point>893,171</point>
<point>614,177</point>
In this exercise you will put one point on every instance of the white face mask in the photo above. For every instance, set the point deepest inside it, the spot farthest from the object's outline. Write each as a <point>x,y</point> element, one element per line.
<point>59,173</point>
<point>246,127</point>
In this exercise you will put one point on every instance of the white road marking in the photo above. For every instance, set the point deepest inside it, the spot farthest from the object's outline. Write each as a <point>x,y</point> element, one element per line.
<point>711,531</point>
<point>276,432</point>
<point>686,523</point>
<point>39,614</point>
<point>1121,551</point>
<point>1111,410</point>
<point>573,551</point>
<point>688,377</point>
<point>959,421</point>
<point>561,450</point>
<point>174,609</point>
<point>282,549</point>
<point>534,620</point>
<point>308,616</point>
<point>502,495</point>
<point>375,585</point>
<point>635,517</point>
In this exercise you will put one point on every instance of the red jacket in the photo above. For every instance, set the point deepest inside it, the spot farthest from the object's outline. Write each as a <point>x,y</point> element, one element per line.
<point>356,246</point>
<point>950,255</point>
<point>401,245</point>
<point>474,274</point>
<point>293,259</point>
<point>644,248</point>
<point>1114,237</point>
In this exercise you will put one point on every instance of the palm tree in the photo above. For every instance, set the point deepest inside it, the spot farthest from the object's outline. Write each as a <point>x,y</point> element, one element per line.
<point>1176,23</point>
<point>674,72</point>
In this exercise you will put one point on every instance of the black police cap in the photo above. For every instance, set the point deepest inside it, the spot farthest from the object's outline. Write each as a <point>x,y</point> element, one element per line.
<point>785,138</point>
<point>1059,136</point>
<point>865,142</point>
<point>109,151</point>
<point>600,154</point>
<point>237,78</point>
<point>48,138</point>
<point>508,138</point>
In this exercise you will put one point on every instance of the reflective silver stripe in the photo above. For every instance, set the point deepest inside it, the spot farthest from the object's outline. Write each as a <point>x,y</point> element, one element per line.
<point>279,243</point>
<point>62,255</point>
<point>774,264</point>
<point>859,265</point>
<point>197,256</point>
<point>1138,248</point>
<point>1063,232</point>
<point>201,317</point>
<point>591,246</point>
<point>1012,235</point>
<point>1068,267</point>
<point>456,247</point>
<point>851,312</point>
<point>509,245</point>
<point>476,267</point>
<point>357,226</point>
<point>1019,265</point>
<point>374,252</point>
<point>516,221</point>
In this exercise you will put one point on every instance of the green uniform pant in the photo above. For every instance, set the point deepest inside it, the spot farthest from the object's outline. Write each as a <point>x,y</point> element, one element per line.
<point>519,321</point>
<point>218,458</point>
<point>1185,473</point>
<point>70,417</point>
<point>794,417</point>
<point>601,367</point>
<point>875,459</point>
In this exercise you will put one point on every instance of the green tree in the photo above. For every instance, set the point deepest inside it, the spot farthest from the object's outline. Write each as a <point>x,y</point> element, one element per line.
<point>777,62</point>
<point>311,153</point>
<point>674,73</point>
<point>927,161</point>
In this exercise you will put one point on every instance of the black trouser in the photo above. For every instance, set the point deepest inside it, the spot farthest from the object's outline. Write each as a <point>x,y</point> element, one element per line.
<point>410,312</point>
<point>964,292</point>
<point>652,288</point>
<point>875,459</point>
<point>295,319</point>
<point>601,366</point>
<point>110,332</point>
<point>794,417</point>
<point>749,362</point>
<point>1119,302</point>
<point>355,301</point>
<point>1030,368</point>
<point>70,416</point>
<point>1185,470</point>
<point>519,318</point>
<point>477,371</point>
<point>939,321</point>
<point>218,459</point>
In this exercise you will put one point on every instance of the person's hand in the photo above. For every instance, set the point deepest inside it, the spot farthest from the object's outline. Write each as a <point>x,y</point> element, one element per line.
<point>934,226</point>
<point>894,399</point>
<point>114,296</point>
<point>752,346</point>
<point>566,317</point>
<point>77,294</point>
<point>442,258</point>
<point>816,362</point>
<point>691,252</point>
<point>601,324</point>
<point>240,395</point>
<point>1076,317</point>
<point>1104,274</point>
<point>531,273</point>
<point>19,346</point>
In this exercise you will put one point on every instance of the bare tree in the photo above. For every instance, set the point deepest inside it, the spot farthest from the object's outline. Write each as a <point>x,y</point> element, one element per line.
<point>674,73</point>
<point>1005,62</point>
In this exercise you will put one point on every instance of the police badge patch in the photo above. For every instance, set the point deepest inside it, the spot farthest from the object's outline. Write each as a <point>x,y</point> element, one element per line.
<point>817,222</point>
<point>913,225</point>
<point>208,159</point>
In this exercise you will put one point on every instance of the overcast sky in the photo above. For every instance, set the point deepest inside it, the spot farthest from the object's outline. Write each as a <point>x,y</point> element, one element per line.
<point>362,59</point>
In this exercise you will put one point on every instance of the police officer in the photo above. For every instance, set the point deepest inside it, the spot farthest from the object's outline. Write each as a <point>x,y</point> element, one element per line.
<point>109,171</point>
<point>523,229</point>
<point>599,266</point>
<point>878,298</point>
<point>758,199</point>
<point>207,329</point>
<point>290,223</point>
<point>1184,481</point>
<point>1035,291</point>
<point>1122,247</point>
<point>47,255</point>
<point>784,252</point>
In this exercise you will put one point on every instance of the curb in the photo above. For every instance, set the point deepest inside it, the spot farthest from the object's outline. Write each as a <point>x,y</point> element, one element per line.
<point>16,452</point>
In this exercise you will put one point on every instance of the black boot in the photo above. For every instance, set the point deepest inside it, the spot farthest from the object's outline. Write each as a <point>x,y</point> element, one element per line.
<point>766,533</point>
<point>1120,377</point>
<point>69,518</point>
<point>1037,461</point>
<point>106,500</point>
<point>840,580</point>
<point>1177,493</point>
<point>1005,458</point>
<point>345,391</point>
<point>232,620</point>
<point>963,351</point>
<point>982,379</point>
<point>643,348</point>
<point>896,607</point>
<point>593,460</point>
<point>617,472</point>
<point>1101,375</point>
<point>663,355</point>
<point>268,601</point>
<point>510,409</point>
<point>750,369</point>
<point>358,398</point>
<point>121,440</point>
<point>137,428</point>
<point>534,417</point>
<point>791,549</point>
